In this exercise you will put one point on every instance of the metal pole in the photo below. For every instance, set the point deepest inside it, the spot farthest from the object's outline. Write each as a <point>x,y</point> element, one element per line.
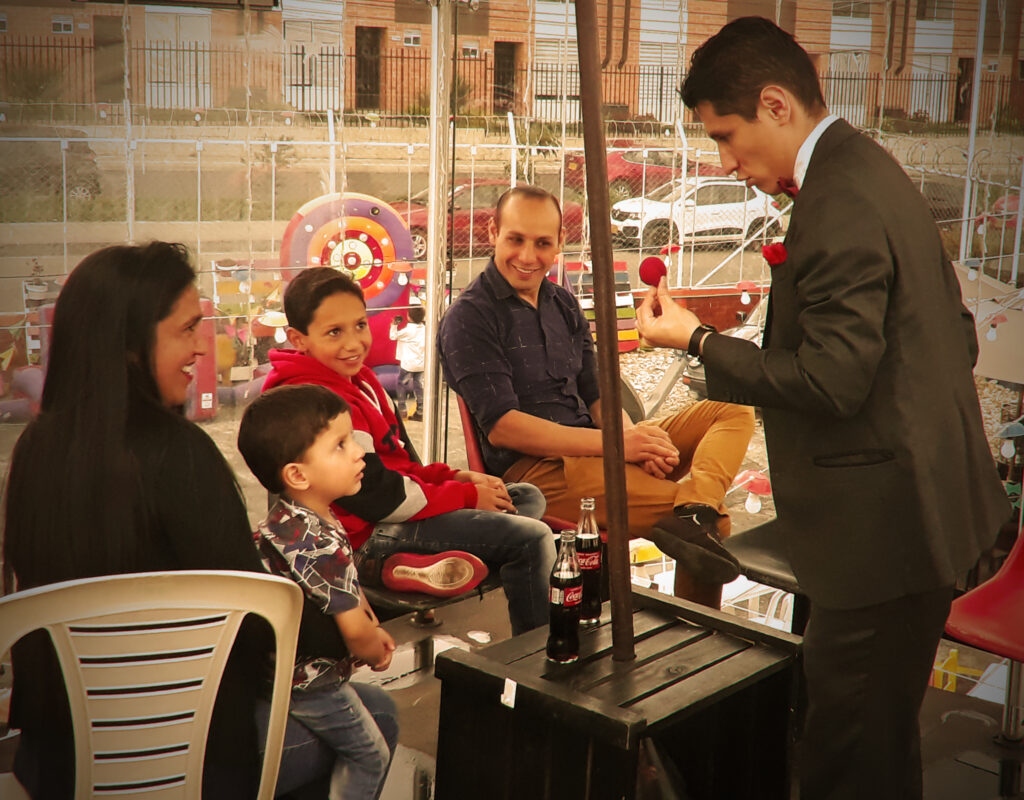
<point>1018,232</point>
<point>441,26</point>
<point>979,51</point>
<point>607,334</point>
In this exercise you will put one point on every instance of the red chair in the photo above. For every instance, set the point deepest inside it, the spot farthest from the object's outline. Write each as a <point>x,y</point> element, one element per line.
<point>475,461</point>
<point>991,617</point>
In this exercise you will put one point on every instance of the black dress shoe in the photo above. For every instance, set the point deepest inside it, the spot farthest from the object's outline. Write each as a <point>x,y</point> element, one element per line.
<point>690,536</point>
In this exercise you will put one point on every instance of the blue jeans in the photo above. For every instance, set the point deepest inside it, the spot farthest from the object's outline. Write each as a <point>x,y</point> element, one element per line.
<point>343,737</point>
<point>519,546</point>
<point>410,384</point>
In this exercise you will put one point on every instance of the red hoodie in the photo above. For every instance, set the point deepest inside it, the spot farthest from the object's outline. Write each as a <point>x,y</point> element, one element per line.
<point>396,488</point>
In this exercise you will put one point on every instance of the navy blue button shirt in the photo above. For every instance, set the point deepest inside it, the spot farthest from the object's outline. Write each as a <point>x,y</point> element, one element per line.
<point>501,354</point>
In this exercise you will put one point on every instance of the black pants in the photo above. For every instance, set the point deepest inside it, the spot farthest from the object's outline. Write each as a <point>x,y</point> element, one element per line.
<point>867,670</point>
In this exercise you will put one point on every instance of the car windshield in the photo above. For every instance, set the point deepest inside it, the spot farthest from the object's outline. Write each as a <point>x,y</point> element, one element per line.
<point>665,193</point>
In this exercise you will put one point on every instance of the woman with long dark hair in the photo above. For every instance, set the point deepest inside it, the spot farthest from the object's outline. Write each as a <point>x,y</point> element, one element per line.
<point>111,478</point>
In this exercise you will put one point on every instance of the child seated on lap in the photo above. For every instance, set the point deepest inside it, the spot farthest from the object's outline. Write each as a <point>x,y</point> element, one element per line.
<point>406,510</point>
<point>298,442</point>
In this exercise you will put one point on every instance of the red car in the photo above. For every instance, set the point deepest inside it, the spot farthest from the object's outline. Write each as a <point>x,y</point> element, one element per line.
<point>474,207</point>
<point>630,174</point>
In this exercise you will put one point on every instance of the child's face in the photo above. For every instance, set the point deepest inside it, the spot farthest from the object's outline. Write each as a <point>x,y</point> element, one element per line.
<point>334,464</point>
<point>339,335</point>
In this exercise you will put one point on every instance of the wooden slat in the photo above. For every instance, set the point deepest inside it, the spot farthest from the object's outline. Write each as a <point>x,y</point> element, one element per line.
<point>593,673</point>
<point>710,686</point>
<point>654,677</point>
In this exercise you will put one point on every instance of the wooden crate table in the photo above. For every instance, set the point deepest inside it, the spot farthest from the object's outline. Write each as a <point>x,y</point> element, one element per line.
<point>708,700</point>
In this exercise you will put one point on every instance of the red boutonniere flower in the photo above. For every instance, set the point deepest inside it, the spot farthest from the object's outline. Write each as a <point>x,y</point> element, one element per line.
<point>774,253</point>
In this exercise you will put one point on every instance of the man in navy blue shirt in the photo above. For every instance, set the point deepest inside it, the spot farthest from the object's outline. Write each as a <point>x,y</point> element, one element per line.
<point>518,350</point>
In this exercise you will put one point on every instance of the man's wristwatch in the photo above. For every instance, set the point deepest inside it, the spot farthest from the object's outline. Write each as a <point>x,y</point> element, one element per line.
<point>693,348</point>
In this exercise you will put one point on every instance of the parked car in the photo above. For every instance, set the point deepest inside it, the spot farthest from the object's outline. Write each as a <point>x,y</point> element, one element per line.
<point>635,172</point>
<point>474,207</point>
<point>31,161</point>
<point>708,211</point>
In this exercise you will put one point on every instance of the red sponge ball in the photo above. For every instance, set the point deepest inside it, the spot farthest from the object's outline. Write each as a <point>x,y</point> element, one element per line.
<point>652,270</point>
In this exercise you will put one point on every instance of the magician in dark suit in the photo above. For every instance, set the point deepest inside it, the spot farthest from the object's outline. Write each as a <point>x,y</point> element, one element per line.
<point>883,482</point>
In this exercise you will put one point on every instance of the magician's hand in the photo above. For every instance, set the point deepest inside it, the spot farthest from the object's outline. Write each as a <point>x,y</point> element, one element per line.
<point>662,321</point>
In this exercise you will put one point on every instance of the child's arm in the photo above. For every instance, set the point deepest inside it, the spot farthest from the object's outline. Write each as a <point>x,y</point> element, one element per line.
<point>365,640</point>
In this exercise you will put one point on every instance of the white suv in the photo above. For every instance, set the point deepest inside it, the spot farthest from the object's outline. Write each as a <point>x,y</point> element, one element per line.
<point>709,211</point>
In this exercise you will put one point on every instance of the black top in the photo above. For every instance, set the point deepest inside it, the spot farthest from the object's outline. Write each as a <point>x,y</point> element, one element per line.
<point>190,517</point>
<point>501,354</point>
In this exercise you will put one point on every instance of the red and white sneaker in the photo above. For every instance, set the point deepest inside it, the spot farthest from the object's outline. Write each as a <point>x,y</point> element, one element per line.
<point>439,574</point>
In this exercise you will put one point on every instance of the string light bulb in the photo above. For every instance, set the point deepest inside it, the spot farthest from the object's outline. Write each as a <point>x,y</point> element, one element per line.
<point>279,336</point>
<point>746,287</point>
<point>1011,431</point>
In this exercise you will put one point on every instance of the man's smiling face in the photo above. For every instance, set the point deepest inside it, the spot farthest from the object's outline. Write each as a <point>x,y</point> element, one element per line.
<point>527,243</point>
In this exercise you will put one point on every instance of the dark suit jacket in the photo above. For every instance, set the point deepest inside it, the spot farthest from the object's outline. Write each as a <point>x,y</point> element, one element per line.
<point>881,473</point>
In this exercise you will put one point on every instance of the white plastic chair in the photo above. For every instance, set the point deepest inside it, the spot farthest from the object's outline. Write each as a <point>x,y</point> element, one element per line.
<point>142,656</point>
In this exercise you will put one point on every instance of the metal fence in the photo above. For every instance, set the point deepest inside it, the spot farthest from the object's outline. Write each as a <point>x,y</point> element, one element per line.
<point>192,76</point>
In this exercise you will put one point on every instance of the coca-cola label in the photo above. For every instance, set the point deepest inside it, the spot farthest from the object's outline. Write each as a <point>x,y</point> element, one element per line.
<point>572,596</point>
<point>590,560</point>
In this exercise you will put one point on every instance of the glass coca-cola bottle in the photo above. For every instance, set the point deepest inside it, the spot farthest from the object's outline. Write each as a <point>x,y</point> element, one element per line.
<point>564,596</point>
<point>588,551</point>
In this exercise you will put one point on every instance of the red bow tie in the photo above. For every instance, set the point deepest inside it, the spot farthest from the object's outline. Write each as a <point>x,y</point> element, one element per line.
<point>788,187</point>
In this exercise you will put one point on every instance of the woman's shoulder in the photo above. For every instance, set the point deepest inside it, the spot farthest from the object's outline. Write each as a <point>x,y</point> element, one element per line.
<point>170,437</point>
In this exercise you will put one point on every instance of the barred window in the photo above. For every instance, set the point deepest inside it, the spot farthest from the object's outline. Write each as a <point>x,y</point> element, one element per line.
<point>851,8</point>
<point>62,24</point>
<point>935,10</point>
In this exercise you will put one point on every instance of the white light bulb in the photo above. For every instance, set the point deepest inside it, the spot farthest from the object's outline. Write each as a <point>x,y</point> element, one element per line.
<point>752,503</point>
<point>745,298</point>
<point>402,279</point>
<point>991,334</point>
<point>972,274</point>
<point>279,336</point>
<point>1008,449</point>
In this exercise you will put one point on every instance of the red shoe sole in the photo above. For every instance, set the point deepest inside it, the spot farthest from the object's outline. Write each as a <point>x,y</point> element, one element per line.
<point>446,574</point>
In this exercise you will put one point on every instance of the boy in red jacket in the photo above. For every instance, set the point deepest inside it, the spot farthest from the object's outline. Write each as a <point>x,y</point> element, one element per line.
<point>406,515</point>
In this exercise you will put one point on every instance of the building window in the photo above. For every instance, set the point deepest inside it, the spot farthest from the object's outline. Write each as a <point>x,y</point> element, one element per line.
<point>851,8</point>
<point>470,50</point>
<point>935,10</point>
<point>411,39</point>
<point>3,23</point>
<point>62,25</point>
<point>1020,70</point>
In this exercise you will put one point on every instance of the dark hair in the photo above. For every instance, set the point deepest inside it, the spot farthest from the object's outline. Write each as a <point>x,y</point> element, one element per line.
<point>308,289</point>
<point>731,68</point>
<point>73,469</point>
<point>525,190</point>
<point>281,424</point>
<point>417,315</point>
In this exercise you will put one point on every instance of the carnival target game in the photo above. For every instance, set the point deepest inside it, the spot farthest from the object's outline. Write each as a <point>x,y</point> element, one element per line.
<point>365,238</point>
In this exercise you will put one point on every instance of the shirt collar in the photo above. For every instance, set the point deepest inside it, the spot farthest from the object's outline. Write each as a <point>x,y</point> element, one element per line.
<point>803,155</point>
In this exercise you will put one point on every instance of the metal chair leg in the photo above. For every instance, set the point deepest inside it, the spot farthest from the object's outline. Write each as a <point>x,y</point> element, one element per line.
<point>1013,707</point>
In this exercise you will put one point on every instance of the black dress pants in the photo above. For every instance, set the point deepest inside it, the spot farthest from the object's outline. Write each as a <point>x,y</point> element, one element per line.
<point>866,672</point>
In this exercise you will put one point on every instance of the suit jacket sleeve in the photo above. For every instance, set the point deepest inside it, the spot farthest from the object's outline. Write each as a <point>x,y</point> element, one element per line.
<point>837,290</point>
